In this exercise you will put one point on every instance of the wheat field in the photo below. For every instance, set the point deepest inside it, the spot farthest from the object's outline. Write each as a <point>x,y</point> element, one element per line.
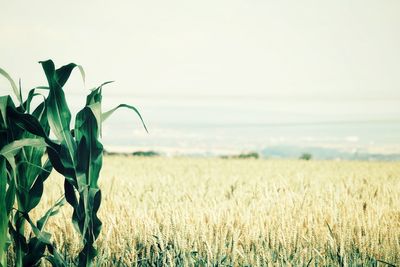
<point>233,212</point>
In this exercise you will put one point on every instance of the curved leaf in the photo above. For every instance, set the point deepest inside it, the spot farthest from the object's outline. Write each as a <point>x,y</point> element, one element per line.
<point>17,92</point>
<point>62,74</point>
<point>10,150</point>
<point>58,113</point>
<point>36,191</point>
<point>107,114</point>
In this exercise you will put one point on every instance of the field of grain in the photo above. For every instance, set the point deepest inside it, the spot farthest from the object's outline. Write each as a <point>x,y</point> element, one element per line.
<point>232,212</point>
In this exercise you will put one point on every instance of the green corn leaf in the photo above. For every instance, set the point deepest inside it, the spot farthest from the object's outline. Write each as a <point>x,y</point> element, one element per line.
<point>87,255</point>
<point>107,114</point>
<point>40,113</point>
<point>42,236</point>
<point>70,194</point>
<point>36,250</point>
<point>20,92</point>
<point>10,150</point>
<point>58,113</point>
<point>27,123</point>
<point>83,163</point>
<point>86,130</point>
<point>34,175</point>
<point>54,152</point>
<point>36,191</point>
<point>95,94</point>
<point>3,212</point>
<point>17,92</point>
<point>79,220</point>
<point>40,128</point>
<point>10,195</point>
<point>49,71</point>
<point>95,201</point>
<point>3,109</point>
<point>25,176</point>
<point>41,223</point>
<point>82,71</point>
<point>88,169</point>
<point>19,240</point>
<point>62,74</point>
<point>32,93</point>
<point>95,109</point>
<point>55,259</point>
<point>5,103</point>
<point>101,85</point>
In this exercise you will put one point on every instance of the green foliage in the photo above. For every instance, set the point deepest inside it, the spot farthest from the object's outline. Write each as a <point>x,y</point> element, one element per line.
<point>76,154</point>
<point>306,156</point>
<point>250,155</point>
<point>145,153</point>
<point>22,177</point>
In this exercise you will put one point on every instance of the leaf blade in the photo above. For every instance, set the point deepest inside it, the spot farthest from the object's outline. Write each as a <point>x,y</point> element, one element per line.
<point>107,114</point>
<point>17,92</point>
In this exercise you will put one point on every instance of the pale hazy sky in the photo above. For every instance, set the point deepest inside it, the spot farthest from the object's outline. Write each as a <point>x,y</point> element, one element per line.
<point>195,68</point>
<point>337,48</point>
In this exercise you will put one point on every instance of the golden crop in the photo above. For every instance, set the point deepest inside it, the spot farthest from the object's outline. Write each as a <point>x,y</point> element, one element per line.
<point>198,212</point>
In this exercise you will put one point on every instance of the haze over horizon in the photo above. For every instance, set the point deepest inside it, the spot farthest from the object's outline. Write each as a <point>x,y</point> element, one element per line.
<point>190,66</point>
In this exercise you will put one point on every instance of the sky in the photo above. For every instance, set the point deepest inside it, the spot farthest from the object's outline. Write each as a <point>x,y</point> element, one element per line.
<point>177,58</point>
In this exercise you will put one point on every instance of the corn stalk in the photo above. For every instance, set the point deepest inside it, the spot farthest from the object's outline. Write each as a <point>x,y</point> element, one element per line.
<point>76,154</point>
<point>80,155</point>
<point>22,178</point>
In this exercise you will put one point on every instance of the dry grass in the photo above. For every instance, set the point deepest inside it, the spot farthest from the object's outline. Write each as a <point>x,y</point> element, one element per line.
<point>197,212</point>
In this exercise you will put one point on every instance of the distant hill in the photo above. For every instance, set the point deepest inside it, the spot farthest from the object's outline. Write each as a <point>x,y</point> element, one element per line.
<point>323,153</point>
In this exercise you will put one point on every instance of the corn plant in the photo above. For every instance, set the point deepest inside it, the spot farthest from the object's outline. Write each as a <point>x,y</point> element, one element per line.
<point>80,156</point>
<point>22,177</point>
<point>76,154</point>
